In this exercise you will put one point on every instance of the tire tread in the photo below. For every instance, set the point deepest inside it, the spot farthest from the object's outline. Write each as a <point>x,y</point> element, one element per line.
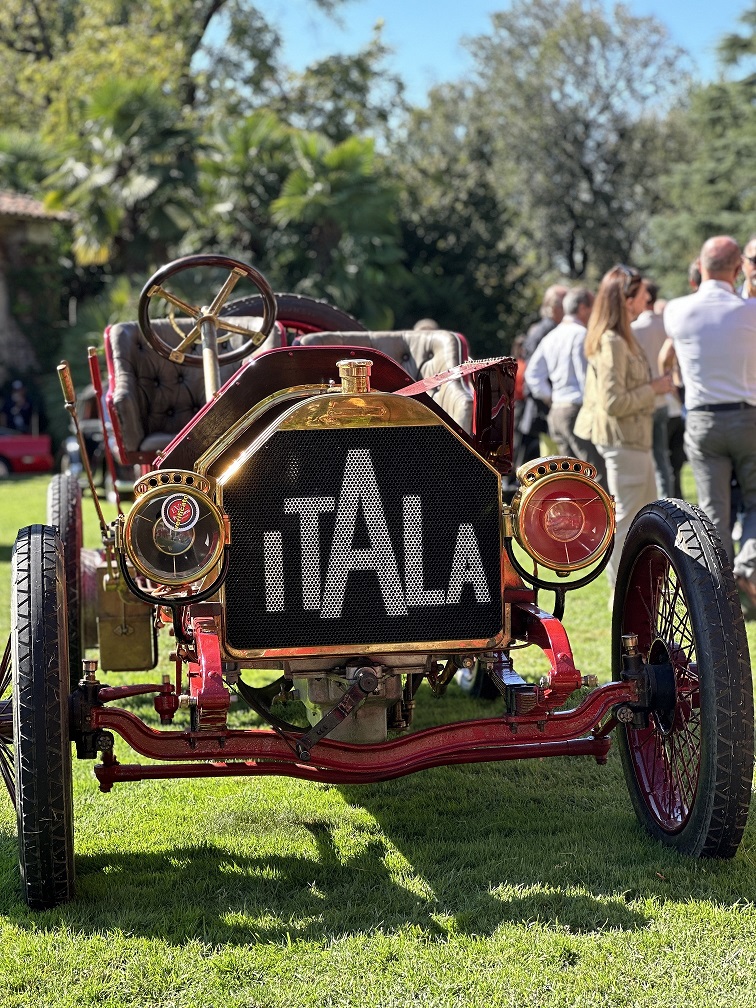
<point>64,513</point>
<point>42,747</point>
<point>720,811</point>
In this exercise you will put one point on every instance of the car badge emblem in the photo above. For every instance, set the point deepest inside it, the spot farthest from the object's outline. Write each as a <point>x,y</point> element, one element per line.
<point>180,512</point>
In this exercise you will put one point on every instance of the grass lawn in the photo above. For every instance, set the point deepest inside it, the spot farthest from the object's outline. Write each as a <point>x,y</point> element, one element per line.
<point>525,884</point>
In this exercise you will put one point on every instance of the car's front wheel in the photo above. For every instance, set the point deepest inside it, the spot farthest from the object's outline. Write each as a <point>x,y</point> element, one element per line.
<point>39,655</point>
<point>688,758</point>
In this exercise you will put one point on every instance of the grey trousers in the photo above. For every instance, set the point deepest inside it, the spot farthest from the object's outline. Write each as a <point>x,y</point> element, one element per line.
<point>662,463</point>
<point>718,444</point>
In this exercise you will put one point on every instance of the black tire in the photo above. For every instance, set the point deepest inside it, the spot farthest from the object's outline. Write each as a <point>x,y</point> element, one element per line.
<point>44,798</point>
<point>299,314</point>
<point>5,468</point>
<point>64,514</point>
<point>689,772</point>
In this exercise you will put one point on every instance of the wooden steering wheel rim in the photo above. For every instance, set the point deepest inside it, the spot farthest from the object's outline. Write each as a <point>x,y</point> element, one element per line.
<point>157,280</point>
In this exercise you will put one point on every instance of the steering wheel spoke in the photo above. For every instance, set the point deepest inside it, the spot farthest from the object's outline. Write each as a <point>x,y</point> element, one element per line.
<point>231,328</point>
<point>222,296</point>
<point>191,311</point>
<point>177,354</point>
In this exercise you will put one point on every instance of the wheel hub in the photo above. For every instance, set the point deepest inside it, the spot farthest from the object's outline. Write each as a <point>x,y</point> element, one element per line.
<point>661,686</point>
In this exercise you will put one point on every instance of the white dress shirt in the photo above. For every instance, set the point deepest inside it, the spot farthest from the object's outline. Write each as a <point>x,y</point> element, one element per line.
<point>714,336</point>
<point>556,371</point>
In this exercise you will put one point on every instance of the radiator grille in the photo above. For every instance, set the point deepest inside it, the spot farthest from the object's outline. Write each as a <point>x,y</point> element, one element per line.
<point>359,536</point>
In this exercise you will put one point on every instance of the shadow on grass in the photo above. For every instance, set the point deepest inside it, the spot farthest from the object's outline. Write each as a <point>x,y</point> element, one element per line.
<point>452,851</point>
<point>212,895</point>
<point>439,877</point>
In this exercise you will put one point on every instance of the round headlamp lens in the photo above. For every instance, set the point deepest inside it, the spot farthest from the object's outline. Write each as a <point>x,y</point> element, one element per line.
<point>174,535</point>
<point>563,520</point>
<point>565,523</point>
<point>172,541</point>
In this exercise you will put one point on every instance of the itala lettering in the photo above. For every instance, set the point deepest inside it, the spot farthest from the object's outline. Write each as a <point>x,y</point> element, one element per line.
<point>367,547</point>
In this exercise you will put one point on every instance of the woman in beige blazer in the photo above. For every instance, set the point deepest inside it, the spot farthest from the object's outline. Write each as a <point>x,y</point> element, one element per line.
<point>619,399</point>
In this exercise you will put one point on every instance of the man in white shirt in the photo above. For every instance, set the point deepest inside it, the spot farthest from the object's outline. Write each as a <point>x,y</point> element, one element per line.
<point>713,335</point>
<point>556,375</point>
<point>531,417</point>
<point>651,335</point>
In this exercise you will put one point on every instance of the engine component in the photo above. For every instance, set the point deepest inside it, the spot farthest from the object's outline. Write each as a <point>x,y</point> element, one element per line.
<point>365,682</point>
<point>125,627</point>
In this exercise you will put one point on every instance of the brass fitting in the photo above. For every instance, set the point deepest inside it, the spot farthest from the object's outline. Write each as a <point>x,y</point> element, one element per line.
<point>355,375</point>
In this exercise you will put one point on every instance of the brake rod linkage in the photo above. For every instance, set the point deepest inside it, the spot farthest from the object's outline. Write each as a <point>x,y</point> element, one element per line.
<point>364,684</point>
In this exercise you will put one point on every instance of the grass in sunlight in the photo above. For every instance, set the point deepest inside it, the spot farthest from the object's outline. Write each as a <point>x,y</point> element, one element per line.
<point>523,884</point>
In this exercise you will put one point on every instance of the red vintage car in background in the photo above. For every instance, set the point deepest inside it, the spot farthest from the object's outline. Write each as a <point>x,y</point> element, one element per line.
<point>24,453</point>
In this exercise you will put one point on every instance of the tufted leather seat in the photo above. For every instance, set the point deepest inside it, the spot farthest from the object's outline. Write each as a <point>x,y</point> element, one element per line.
<point>151,399</point>
<point>422,353</point>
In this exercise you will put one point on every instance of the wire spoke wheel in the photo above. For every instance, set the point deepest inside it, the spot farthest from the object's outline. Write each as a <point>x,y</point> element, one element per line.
<point>688,758</point>
<point>7,769</point>
<point>42,750</point>
<point>666,755</point>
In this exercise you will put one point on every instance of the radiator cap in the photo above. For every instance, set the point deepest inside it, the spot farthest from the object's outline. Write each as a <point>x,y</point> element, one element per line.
<point>355,375</point>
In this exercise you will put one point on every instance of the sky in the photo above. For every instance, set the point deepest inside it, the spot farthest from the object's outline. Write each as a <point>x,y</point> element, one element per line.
<point>425,34</point>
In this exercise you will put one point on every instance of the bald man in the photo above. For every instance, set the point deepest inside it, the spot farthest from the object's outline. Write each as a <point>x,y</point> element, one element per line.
<point>713,334</point>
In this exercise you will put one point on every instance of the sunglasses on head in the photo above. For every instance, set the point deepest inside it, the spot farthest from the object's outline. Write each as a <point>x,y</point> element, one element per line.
<point>632,278</point>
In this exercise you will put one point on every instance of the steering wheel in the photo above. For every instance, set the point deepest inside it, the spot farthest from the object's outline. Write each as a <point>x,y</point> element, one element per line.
<point>224,328</point>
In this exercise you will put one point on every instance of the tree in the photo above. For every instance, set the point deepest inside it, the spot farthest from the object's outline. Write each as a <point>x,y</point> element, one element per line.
<point>56,52</point>
<point>340,224</point>
<point>241,172</point>
<point>25,161</point>
<point>458,234</point>
<point>735,47</point>
<point>345,95</point>
<point>711,190</point>
<point>576,99</point>
<point>130,178</point>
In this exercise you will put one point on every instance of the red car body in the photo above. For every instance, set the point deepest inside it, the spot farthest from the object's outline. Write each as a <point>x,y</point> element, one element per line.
<point>23,453</point>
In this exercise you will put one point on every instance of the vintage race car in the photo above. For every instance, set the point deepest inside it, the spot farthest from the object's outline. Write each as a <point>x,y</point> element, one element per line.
<point>322,525</point>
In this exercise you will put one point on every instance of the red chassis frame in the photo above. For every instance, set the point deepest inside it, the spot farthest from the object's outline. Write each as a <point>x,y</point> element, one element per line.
<point>221,752</point>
